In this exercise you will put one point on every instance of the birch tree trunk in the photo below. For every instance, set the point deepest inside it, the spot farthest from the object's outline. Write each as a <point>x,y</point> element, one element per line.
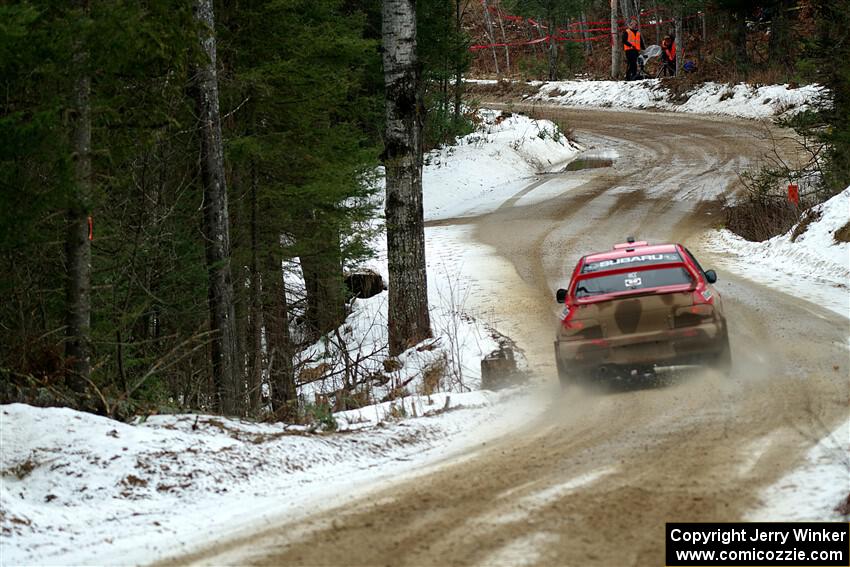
<point>216,220</point>
<point>505,40</point>
<point>77,243</point>
<point>409,320</point>
<point>616,47</point>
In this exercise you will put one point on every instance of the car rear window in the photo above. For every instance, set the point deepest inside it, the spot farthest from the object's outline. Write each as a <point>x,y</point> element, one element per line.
<point>632,281</point>
<point>639,260</point>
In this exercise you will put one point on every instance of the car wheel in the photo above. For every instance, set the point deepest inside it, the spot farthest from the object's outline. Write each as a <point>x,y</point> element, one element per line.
<point>564,376</point>
<point>723,360</point>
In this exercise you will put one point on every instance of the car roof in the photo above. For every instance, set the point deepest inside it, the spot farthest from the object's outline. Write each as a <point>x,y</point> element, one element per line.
<point>637,250</point>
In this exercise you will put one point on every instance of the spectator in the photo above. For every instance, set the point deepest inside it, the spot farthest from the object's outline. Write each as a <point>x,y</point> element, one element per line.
<point>668,56</point>
<point>632,45</point>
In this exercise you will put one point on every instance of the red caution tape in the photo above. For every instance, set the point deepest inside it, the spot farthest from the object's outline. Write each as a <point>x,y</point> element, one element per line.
<point>91,228</point>
<point>573,28</point>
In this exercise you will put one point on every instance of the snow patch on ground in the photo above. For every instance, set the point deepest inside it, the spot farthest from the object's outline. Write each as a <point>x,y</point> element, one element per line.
<point>741,100</point>
<point>449,362</point>
<point>812,491</point>
<point>526,550</point>
<point>814,266</point>
<point>487,167</point>
<point>82,489</point>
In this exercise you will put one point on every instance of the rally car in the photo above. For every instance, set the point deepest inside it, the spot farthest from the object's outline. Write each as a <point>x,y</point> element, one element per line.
<point>636,308</point>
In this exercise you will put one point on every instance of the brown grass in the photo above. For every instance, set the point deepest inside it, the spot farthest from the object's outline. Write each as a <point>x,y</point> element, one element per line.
<point>502,91</point>
<point>432,377</point>
<point>809,217</point>
<point>22,469</point>
<point>844,507</point>
<point>843,233</point>
<point>759,219</point>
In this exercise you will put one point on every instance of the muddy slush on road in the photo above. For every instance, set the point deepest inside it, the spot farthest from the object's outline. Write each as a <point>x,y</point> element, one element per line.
<point>594,480</point>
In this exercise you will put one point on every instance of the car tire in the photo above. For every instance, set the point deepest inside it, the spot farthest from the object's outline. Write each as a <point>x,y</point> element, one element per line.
<point>564,376</point>
<point>723,360</point>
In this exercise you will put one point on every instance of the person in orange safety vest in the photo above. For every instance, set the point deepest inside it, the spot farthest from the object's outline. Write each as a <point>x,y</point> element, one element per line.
<point>632,45</point>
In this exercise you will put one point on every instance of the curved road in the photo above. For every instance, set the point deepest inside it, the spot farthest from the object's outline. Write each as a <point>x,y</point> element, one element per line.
<point>594,481</point>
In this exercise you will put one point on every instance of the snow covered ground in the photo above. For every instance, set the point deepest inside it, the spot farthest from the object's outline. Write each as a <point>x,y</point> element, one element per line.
<point>811,492</point>
<point>488,166</point>
<point>70,481</point>
<point>813,266</point>
<point>741,100</point>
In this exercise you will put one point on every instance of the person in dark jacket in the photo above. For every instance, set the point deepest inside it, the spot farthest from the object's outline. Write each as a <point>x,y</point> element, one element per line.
<point>668,56</point>
<point>632,45</point>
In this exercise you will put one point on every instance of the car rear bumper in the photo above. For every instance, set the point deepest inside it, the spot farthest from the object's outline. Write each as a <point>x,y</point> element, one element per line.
<point>690,345</point>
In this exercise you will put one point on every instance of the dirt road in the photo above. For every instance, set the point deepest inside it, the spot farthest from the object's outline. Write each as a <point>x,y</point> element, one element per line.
<point>594,481</point>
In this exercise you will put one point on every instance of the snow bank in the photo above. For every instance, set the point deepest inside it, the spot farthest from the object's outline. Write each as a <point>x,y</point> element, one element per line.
<point>486,167</point>
<point>741,100</point>
<point>82,489</point>
<point>813,266</point>
<point>812,492</point>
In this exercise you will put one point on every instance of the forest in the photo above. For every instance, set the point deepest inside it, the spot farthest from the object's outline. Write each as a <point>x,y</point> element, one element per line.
<point>187,187</point>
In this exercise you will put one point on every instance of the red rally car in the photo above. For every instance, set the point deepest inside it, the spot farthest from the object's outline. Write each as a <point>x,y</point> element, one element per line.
<point>638,307</point>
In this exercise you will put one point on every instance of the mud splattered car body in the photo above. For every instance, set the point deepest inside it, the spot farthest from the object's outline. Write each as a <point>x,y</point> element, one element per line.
<point>638,307</point>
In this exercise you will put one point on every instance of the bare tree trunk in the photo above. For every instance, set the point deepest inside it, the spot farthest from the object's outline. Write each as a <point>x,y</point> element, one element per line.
<point>680,40</point>
<point>323,281</point>
<point>539,34</point>
<point>585,34</point>
<point>284,399</point>
<point>740,39</point>
<point>77,243</point>
<point>657,19</point>
<point>553,48</point>
<point>505,40</point>
<point>216,220</point>
<point>409,319</point>
<point>780,46</point>
<point>616,47</point>
<point>627,10</point>
<point>488,23</point>
<point>255,329</point>
<point>458,62</point>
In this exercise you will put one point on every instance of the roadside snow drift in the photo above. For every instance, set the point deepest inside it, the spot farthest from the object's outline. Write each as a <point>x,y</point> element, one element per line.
<point>811,492</point>
<point>82,489</point>
<point>813,265</point>
<point>741,100</point>
<point>484,168</point>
